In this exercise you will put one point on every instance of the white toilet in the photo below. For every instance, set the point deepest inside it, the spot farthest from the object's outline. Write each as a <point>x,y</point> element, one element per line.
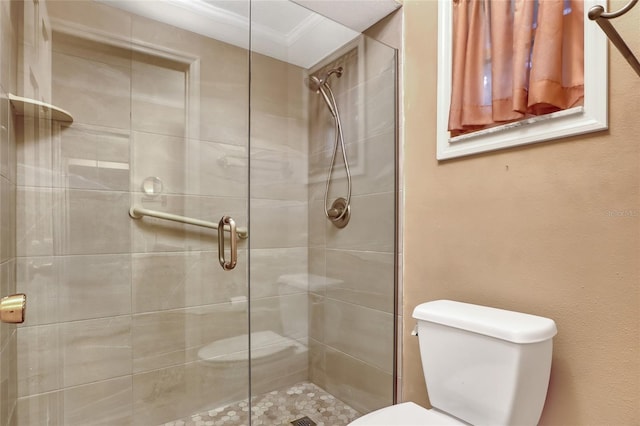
<point>483,366</point>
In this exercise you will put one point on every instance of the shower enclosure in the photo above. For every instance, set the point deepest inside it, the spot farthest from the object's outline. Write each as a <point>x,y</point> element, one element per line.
<point>199,109</point>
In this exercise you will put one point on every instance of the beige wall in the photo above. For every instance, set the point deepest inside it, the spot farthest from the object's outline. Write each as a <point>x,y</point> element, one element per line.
<point>534,229</point>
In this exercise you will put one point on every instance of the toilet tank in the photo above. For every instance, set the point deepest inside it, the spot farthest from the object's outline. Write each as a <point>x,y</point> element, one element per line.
<point>483,365</point>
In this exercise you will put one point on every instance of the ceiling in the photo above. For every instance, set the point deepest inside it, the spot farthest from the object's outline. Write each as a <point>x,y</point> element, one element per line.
<point>281,29</point>
<point>355,14</point>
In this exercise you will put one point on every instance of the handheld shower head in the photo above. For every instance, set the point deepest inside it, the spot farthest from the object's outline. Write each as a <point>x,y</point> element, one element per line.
<point>315,82</point>
<point>319,84</point>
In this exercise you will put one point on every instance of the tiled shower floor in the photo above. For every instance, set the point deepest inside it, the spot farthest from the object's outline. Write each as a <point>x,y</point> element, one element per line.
<point>279,407</point>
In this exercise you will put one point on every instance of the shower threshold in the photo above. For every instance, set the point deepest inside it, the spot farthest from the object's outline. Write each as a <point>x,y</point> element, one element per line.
<point>280,407</point>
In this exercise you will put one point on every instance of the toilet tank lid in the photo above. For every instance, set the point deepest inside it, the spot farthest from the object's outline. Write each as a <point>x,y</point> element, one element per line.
<point>511,326</point>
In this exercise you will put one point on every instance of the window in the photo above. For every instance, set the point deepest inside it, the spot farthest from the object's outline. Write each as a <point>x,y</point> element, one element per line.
<point>589,117</point>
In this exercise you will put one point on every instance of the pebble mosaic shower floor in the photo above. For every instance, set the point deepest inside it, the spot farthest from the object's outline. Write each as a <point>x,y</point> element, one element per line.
<point>279,407</point>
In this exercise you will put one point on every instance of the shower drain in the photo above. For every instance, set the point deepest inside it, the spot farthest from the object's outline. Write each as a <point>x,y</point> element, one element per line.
<point>303,421</point>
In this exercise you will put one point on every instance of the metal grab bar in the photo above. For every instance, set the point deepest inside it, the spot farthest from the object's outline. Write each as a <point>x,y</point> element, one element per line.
<point>227,266</point>
<point>137,212</point>
<point>597,13</point>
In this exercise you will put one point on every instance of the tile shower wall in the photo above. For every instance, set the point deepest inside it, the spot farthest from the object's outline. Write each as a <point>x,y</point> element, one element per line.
<point>279,231</point>
<point>352,269</point>
<point>8,83</point>
<point>120,308</point>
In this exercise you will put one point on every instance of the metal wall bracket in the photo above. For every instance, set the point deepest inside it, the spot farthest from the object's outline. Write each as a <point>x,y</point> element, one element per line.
<point>597,13</point>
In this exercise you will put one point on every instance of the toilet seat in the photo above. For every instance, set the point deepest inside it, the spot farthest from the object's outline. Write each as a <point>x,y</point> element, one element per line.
<point>406,414</point>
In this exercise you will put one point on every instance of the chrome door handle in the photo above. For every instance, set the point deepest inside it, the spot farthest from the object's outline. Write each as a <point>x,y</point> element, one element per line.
<point>227,266</point>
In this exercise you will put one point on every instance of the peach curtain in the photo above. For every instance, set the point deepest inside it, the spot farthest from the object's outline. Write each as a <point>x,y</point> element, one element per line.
<point>513,59</point>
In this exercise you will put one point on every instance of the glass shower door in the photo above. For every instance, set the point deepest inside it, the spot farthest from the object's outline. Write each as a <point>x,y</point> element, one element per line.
<point>193,109</point>
<point>131,319</point>
<point>322,279</point>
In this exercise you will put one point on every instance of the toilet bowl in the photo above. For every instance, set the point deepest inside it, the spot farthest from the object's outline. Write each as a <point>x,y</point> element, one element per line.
<point>482,366</point>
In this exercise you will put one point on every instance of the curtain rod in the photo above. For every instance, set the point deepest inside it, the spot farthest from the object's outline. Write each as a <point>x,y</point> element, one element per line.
<point>597,13</point>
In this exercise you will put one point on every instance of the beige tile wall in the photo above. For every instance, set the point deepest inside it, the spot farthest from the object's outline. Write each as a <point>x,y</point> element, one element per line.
<point>278,212</point>
<point>352,270</point>
<point>8,84</point>
<point>142,297</point>
<point>389,31</point>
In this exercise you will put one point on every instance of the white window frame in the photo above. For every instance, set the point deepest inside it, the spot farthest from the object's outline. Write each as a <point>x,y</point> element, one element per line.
<point>591,117</point>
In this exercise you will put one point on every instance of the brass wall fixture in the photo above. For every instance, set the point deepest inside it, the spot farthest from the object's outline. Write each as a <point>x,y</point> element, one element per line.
<point>12,308</point>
